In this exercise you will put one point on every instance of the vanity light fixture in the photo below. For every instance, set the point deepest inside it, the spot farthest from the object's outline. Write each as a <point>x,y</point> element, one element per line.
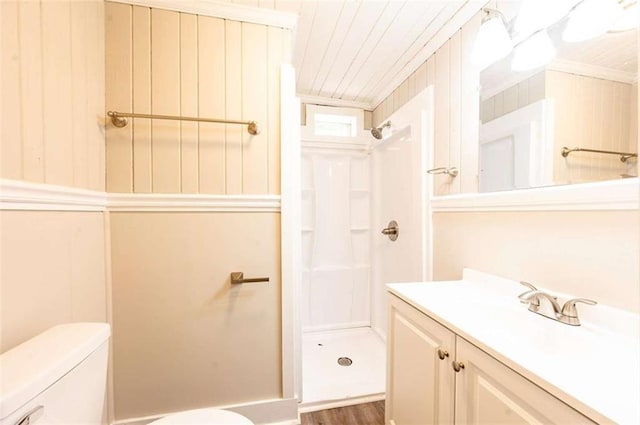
<point>535,15</point>
<point>592,18</point>
<point>493,41</point>
<point>534,52</point>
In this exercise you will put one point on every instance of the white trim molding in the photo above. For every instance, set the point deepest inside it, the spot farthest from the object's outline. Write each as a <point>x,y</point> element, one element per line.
<point>265,412</point>
<point>606,195</point>
<point>330,101</point>
<point>181,202</point>
<point>571,67</point>
<point>22,195</point>
<point>222,9</point>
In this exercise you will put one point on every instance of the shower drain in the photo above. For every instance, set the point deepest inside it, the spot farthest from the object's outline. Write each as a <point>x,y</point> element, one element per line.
<point>344,361</point>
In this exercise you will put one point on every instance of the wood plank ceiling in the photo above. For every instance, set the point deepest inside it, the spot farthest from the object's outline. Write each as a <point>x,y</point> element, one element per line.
<point>353,50</point>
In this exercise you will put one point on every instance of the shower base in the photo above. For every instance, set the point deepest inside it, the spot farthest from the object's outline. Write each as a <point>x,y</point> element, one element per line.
<point>328,384</point>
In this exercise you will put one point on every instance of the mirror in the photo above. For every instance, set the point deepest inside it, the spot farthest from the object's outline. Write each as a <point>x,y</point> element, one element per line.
<point>537,127</point>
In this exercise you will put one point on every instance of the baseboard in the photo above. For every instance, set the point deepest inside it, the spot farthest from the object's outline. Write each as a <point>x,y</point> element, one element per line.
<point>263,412</point>
<point>332,404</point>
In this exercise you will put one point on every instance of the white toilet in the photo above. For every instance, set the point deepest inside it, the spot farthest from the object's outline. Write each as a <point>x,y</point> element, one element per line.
<point>60,377</point>
<point>203,417</point>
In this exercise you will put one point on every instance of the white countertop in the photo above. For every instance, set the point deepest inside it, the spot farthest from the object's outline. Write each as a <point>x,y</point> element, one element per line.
<point>595,367</point>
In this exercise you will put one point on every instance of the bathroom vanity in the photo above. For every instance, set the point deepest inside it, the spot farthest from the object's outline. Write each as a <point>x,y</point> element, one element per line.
<point>469,351</point>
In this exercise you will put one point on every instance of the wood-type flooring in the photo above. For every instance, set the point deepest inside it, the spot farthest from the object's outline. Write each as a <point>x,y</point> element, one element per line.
<point>359,414</point>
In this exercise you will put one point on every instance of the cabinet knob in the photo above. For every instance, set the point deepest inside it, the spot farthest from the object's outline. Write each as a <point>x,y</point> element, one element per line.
<point>457,366</point>
<point>442,354</point>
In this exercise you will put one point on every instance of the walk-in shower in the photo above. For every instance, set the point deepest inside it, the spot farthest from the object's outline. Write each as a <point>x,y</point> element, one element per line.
<point>356,193</point>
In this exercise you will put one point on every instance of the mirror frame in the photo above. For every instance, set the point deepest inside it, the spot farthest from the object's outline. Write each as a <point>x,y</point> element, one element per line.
<point>609,195</point>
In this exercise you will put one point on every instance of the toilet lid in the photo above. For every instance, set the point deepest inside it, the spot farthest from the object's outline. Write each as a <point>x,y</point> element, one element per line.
<point>204,417</point>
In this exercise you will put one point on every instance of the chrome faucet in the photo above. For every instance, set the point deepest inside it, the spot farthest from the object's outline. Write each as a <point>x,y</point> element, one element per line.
<point>567,314</point>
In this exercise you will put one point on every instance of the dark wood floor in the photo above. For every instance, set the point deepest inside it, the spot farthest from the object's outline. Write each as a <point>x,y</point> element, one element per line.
<point>360,414</point>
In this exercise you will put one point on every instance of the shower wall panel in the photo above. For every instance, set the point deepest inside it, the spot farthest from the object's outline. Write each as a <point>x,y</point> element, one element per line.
<point>335,239</point>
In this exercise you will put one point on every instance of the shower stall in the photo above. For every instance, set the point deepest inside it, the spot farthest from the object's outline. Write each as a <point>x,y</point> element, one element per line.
<point>352,188</point>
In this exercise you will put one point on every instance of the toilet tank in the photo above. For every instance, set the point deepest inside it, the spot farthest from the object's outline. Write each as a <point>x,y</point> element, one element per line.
<point>59,376</point>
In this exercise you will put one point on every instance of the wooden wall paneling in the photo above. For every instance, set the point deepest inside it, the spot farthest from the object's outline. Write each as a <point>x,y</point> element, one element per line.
<point>141,127</point>
<point>165,100</point>
<point>511,99</point>
<point>431,70</point>
<point>31,102</point>
<point>11,123</point>
<point>421,78</point>
<point>498,105</point>
<point>56,50</point>
<point>287,47</point>
<point>368,120</point>
<point>625,119</point>
<point>375,117</point>
<point>96,96</point>
<point>606,135</point>
<point>188,103</point>
<point>470,109</point>
<point>557,90</point>
<point>442,119</point>
<point>118,68</point>
<point>275,53</point>
<point>537,87</point>
<point>211,101</point>
<point>80,92</point>
<point>254,107</point>
<point>523,93</point>
<point>486,110</point>
<point>455,106</point>
<point>403,94</point>
<point>633,113</point>
<point>411,84</point>
<point>233,105</point>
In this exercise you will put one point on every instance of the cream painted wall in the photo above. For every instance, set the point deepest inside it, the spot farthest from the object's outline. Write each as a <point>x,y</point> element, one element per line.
<point>52,122</point>
<point>52,264</point>
<point>171,63</point>
<point>52,271</point>
<point>183,337</point>
<point>592,254</point>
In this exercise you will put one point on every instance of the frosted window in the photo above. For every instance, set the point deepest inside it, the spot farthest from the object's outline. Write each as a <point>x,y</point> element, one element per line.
<point>335,125</point>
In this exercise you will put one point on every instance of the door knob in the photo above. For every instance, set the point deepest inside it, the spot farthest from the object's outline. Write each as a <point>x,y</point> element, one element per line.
<point>457,366</point>
<point>392,230</point>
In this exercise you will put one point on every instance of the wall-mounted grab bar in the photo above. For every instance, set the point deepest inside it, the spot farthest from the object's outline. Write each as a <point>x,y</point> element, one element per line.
<point>624,156</point>
<point>452,171</point>
<point>238,277</point>
<point>119,120</point>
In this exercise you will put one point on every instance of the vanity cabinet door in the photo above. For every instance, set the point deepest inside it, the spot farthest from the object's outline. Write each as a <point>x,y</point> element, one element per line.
<point>488,392</point>
<point>419,384</point>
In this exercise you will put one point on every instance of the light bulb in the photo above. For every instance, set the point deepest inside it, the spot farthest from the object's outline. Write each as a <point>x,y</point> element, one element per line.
<point>536,51</point>
<point>591,18</point>
<point>535,14</point>
<point>492,43</point>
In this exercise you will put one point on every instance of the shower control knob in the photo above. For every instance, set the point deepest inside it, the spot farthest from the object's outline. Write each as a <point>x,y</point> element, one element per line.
<point>392,230</point>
